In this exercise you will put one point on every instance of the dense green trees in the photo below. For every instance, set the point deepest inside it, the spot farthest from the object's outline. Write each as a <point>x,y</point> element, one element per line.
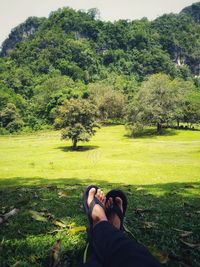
<point>191,108</point>
<point>73,54</point>
<point>161,101</point>
<point>110,103</point>
<point>10,118</point>
<point>155,103</point>
<point>180,36</point>
<point>193,11</point>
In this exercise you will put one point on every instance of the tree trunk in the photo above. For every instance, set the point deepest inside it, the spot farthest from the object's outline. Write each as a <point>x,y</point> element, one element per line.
<point>177,123</point>
<point>159,128</point>
<point>74,144</point>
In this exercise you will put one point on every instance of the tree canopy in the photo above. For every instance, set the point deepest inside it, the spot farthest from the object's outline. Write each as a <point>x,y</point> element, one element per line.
<point>162,101</point>
<point>78,119</point>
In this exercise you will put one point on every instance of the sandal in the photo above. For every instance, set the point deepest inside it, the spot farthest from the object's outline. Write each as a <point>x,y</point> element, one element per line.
<point>114,208</point>
<point>89,209</point>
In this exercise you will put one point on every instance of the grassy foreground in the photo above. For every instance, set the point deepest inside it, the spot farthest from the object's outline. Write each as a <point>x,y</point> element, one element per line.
<point>44,180</point>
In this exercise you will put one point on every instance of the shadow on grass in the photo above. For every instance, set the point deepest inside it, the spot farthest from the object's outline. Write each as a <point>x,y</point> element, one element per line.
<point>157,216</point>
<point>152,133</point>
<point>79,148</point>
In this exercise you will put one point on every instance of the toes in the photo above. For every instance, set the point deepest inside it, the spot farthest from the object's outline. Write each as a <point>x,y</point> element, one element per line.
<point>100,195</point>
<point>118,201</point>
<point>103,200</point>
<point>91,195</point>
<point>109,202</point>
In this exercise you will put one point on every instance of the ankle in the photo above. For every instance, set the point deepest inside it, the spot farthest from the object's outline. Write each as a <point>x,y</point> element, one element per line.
<point>99,220</point>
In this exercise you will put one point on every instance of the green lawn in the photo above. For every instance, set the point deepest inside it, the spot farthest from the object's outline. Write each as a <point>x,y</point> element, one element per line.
<point>160,174</point>
<point>110,156</point>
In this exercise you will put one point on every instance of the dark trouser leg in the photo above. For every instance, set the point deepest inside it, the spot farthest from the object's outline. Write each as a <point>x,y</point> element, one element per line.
<point>92,260</point>
<point>115,249</point>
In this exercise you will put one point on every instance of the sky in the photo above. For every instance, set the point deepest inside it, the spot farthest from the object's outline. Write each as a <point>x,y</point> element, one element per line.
<point>14,12</point>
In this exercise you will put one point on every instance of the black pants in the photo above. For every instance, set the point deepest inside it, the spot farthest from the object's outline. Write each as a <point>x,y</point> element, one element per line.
<point>112,248</point>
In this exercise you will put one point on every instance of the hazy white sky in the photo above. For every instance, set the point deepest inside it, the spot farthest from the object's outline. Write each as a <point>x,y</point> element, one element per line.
<point>14,12</point>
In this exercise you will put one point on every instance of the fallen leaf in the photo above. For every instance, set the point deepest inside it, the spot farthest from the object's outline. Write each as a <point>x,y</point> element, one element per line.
<point>46,199</point>
<point>44,212</point>
<point>49,215</point>
<point>59,223</point>
<point>17,263</point>
<point>149,225</point>
<point>71,225</point>
<point>7,215</point>
<point>38,216</point>
<point>190,244</point>
<point>77,229</point>
<point>183,233</point>
<point>62,194</point>
<point>140,210</point>
<point>139,189</point>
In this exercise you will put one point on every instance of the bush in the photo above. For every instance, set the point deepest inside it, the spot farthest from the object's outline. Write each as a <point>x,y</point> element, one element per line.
<point>14,126</point>
<point>135,130</point>
<point>3,131</point>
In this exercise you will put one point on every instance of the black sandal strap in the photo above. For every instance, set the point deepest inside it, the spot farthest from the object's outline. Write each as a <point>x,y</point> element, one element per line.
<point>119,213</point>
<point>93,203</point>
<point>115,209</point>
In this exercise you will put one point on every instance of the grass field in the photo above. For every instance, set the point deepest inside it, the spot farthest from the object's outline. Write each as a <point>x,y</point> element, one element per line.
<point>40,173</point>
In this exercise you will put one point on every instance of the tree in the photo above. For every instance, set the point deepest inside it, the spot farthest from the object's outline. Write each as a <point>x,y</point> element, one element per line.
<point>184,90</point>
<point>94,13</point>
<point>10,119</point>
<point>191,108</point>
<point>110,102</point>
<point>78,118</point>
<point>155,103</point>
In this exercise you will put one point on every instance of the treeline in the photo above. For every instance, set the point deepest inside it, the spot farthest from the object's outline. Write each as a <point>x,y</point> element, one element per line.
<point>158,101</point>
<point>75,55</point>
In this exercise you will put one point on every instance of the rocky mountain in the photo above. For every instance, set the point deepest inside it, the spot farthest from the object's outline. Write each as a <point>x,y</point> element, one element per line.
<point>131,45</point>
<point>194,11</point>
<point>21,33</point>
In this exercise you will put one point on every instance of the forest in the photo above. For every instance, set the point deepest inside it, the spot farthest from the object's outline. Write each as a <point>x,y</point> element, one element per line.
<point>75,55</point>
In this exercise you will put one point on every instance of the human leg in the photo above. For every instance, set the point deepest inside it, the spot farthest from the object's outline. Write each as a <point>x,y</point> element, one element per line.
<point>115,249</point>
<point>112,248</point>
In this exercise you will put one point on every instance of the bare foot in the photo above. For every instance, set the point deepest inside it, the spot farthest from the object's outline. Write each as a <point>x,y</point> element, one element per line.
<point>98,214</point>
<point>113,218</point>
